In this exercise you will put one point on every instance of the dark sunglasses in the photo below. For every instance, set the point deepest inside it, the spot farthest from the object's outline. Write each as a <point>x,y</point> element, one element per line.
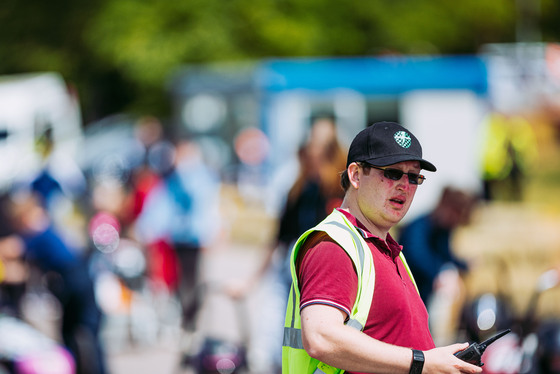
<point>396,174</point>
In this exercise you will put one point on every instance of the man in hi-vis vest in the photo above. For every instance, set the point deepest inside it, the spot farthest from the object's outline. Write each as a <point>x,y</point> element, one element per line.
<point>354,306</point>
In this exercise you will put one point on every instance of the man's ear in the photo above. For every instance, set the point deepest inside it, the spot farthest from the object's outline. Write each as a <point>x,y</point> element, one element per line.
<point>354,173</point>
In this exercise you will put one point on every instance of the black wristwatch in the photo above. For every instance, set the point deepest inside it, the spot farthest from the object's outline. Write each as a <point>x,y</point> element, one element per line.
<point>417,362</point>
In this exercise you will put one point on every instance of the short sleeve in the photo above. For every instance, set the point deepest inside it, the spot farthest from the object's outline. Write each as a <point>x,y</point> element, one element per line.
<point>327,276</point>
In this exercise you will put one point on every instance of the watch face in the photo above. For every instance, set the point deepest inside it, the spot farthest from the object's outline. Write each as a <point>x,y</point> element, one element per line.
<point>418,356</point>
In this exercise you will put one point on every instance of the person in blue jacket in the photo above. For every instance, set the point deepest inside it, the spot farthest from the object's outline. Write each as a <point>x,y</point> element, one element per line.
<point>67,277</point>
<point>427,239</point>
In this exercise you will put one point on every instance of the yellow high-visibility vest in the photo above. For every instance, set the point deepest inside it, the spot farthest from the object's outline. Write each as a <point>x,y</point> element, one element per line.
<point>295,359</point>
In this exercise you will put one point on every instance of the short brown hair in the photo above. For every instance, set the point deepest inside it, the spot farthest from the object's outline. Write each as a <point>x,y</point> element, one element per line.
<point>345,179</point>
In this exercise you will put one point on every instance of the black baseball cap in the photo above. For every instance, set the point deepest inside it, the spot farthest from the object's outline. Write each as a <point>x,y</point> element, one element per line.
<point>386,143</point>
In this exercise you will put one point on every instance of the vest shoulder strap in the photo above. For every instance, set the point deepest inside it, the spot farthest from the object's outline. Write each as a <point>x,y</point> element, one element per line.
<point>337,226</point>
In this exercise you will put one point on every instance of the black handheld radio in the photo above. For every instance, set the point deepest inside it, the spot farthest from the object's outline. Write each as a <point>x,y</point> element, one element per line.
<point>473,353</point>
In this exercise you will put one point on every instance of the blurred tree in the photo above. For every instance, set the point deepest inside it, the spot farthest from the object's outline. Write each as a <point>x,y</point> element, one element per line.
<point>120,52</point>
<point>38,36</point>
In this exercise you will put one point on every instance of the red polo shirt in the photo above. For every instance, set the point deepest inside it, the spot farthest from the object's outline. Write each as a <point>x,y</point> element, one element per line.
<point>327,276</point>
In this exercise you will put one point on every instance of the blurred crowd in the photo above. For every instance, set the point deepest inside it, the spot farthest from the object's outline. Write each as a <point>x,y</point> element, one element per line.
<point>92,239</point>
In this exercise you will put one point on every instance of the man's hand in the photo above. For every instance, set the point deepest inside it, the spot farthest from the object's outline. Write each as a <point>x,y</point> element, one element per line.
<point>440,360</point>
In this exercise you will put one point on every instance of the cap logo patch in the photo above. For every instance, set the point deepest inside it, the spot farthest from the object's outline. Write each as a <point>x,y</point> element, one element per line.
<point>403,139</point>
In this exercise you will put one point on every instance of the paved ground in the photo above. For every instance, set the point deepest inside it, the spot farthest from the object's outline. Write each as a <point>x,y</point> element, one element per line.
<point>153,360</point>
<point>149,353</point>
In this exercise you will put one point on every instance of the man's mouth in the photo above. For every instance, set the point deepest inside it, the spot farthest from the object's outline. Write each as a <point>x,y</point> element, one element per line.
<point>397,200</point>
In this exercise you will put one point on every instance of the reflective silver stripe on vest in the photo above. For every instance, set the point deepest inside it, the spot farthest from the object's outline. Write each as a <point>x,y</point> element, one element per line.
<point>355,324</point>
<point>318,371</point>
<point>292,338</point>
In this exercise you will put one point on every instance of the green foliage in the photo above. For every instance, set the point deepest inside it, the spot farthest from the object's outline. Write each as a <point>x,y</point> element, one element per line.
<point>131,46</point>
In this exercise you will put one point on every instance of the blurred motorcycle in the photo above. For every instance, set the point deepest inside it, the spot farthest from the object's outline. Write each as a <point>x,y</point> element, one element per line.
<point>218,355</point>
<point>533,347</point>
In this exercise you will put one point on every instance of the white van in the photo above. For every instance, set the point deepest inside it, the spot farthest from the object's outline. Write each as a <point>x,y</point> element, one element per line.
<point>30,106</point>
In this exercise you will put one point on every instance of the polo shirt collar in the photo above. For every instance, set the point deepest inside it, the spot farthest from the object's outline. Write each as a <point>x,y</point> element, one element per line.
<point>390,245</point>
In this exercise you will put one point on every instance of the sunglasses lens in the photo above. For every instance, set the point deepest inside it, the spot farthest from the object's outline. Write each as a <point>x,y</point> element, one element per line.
<point>393,174</point>
<point>396,174</point>
<point>415,178</point>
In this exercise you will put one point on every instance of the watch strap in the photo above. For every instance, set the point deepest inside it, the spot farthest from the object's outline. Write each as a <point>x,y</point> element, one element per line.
<point>417,362</point>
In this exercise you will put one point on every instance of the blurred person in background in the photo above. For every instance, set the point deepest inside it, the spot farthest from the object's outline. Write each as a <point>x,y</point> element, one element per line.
<point>133,275</point>
<point>427,239</point>
<point>316,191</point>
<point>59,175</point>
<point>66,274</point>
<point>144,176</point>
<point>428,244</point>
<point>314,194</point>
<point>59,184</point>
<point>509,147</point>
<point>156,162</point>
<point>182,212</point>
<point>119,189</point>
